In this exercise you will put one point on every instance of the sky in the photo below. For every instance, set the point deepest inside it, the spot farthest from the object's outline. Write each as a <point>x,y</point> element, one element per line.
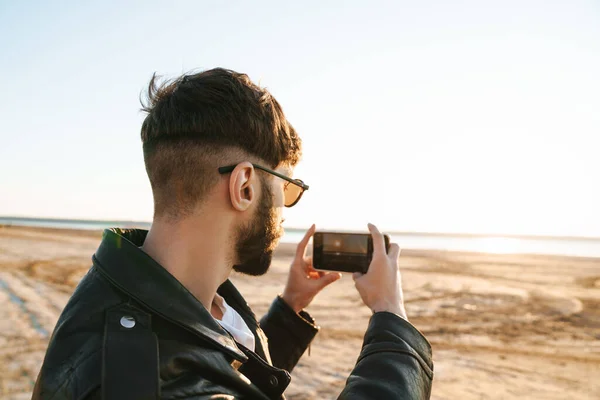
<point>436,116</point>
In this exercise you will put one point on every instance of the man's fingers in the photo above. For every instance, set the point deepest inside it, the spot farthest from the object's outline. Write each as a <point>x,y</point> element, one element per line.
<point>356,275</point>
<point>310,271</point>
<point>328,279</point>
<point>306,264</point>
<point>394,252</point>
<point>304,242</point>
<point>378,241</point>
<point>313,275</point>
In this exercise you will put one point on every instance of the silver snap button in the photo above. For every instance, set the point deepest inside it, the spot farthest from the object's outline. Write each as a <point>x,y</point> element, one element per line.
<point>127,322</point>
<point>273,380</point>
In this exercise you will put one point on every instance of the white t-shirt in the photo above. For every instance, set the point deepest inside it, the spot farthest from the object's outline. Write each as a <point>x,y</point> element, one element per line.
<point>233,323</point>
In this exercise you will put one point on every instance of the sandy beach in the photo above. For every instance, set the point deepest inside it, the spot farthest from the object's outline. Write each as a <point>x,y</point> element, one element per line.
<point>501,326</point>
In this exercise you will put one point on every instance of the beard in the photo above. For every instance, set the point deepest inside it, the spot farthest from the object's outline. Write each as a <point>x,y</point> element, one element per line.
<point>257,240</point>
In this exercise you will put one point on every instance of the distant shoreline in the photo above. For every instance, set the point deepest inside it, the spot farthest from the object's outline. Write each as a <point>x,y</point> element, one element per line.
<point>78,224</point>
<point>287,248</point>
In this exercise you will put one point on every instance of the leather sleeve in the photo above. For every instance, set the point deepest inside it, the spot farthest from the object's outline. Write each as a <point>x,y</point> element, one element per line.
<point>394,363</point>
<point>289,333</point>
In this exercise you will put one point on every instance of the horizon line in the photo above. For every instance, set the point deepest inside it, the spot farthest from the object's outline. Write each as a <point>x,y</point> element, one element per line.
<point>398,233</point>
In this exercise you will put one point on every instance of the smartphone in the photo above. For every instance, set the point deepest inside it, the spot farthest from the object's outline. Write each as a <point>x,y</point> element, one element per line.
<point>344,252</point>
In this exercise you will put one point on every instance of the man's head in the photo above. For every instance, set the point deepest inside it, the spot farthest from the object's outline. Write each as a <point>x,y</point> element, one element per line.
<point>200,122</point>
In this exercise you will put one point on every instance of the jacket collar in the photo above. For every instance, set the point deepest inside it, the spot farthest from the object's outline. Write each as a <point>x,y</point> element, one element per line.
<point>130,269</point>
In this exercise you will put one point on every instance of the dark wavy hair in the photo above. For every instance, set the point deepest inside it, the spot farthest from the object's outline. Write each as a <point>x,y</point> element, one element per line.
<point>198,121</point>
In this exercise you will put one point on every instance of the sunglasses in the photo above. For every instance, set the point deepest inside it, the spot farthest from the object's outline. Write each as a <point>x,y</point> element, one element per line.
<point>292,189</point>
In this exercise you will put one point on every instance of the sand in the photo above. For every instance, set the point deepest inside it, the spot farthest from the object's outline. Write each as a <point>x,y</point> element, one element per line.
<point>501,326</point>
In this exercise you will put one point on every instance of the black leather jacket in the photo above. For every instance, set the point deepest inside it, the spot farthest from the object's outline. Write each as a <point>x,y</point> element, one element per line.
<point>132,331</point>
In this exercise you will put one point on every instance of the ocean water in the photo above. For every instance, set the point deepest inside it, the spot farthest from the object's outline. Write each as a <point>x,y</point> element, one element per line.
<point>72,223</point>
<point>578,247</point>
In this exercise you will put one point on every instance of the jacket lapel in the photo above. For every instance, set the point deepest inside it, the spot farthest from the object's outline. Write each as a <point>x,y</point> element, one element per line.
<point>134,272</point>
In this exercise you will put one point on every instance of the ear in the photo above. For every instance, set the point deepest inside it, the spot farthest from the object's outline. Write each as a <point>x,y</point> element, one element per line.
<point>242,190</point>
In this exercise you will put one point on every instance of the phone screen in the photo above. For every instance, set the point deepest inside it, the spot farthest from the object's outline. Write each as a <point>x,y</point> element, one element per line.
<point>346,252</point>
<point>341,244</point>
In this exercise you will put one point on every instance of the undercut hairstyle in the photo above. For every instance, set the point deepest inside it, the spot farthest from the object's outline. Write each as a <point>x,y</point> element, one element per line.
<point>199,122</point>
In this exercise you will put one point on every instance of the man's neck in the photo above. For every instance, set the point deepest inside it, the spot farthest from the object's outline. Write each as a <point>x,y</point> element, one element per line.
<point>193,252</point>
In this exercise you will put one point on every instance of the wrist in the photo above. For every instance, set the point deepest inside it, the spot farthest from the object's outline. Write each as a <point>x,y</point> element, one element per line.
<point>394,309</point>
<point>291,302</point>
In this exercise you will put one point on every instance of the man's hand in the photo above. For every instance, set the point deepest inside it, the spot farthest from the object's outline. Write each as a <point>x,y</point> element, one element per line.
<point>381,287</point>
<point>304,282</point>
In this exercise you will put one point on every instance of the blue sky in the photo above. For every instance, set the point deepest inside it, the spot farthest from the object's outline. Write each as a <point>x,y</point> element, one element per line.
<point>463,116</point>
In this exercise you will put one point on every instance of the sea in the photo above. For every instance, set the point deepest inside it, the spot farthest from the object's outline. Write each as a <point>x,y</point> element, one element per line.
<point>505,244</point>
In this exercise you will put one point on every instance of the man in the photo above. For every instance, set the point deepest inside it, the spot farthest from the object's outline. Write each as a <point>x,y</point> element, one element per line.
<point>157,317</point>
